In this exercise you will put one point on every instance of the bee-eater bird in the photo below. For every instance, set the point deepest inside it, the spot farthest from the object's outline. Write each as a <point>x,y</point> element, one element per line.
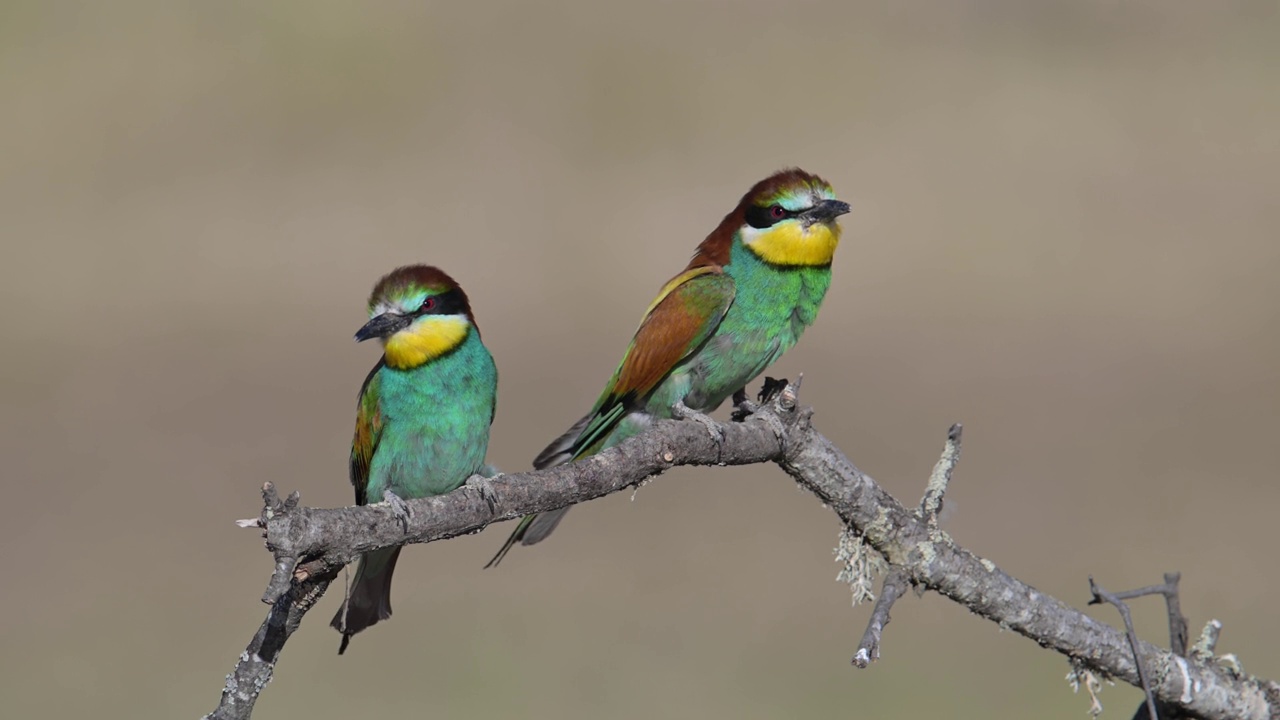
<point>423,416</point>
<point>753,286</point>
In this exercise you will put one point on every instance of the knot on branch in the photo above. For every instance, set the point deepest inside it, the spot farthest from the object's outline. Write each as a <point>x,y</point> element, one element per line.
<point>789,420</point>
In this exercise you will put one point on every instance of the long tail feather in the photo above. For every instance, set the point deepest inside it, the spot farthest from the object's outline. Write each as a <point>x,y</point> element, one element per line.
<point>542,525</point>
<point>535,528</point>
<point>370,597</point>
<point>511,541</point>
<point>560,451</point>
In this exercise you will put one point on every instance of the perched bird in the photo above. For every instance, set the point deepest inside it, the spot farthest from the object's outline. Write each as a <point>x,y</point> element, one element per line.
<point>753,286</point>
<point>423,416</point>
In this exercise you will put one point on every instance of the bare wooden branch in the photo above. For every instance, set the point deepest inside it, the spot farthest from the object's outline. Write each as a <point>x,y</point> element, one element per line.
<point>257,663</point>
<point>895,584</point>
<point>1173,606</point>
<point>940,478</point>
<point>1208,642</point>
<point>313,544</point>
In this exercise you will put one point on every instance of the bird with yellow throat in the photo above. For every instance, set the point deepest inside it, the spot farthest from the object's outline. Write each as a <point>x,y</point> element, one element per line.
<point>753,286</point>
<point>422,418</point>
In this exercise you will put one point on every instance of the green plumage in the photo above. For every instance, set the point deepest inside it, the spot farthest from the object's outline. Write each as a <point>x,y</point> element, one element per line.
<point>435,422</point>
<point>420,431</point>
<point>771,306</point>
<point>754,285</point>
<point>768,308</point>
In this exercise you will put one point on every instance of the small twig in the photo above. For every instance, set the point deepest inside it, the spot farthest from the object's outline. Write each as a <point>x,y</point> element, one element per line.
<point>1177,637</point>
<point>1177,622</point>
<point>1099,596</point>
<point>940,478</point>
<point>1208,642</point>
<point>1141,592</point>
<point>895,584</point>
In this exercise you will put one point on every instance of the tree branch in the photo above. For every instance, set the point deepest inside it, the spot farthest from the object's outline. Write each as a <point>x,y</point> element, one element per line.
<point>310,545</point>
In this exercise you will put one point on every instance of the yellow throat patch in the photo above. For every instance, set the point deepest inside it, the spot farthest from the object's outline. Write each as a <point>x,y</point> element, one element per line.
<point>426,339</point>
<point>790,244</point>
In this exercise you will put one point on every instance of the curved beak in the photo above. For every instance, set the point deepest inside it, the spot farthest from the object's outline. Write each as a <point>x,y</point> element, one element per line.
<point>382,326</point>
<point>826,211</point>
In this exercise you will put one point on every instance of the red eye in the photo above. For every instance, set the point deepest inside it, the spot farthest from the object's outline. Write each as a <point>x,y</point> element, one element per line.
<point>777,213</point>
<point>427,305</point>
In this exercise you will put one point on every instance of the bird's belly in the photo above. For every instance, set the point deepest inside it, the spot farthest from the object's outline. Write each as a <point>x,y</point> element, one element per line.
<point>724,365</point>
<point>426,462</point>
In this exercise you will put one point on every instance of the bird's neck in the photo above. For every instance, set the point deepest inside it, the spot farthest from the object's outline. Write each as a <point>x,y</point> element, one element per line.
<point>761,282</point>
<point>456,379</point>
<point>777,297</point>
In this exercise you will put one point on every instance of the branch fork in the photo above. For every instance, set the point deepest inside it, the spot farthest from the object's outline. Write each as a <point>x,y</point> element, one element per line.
<point>896,581</point>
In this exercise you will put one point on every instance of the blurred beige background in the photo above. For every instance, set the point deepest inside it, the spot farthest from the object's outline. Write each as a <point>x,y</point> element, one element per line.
<point>1064,235</point>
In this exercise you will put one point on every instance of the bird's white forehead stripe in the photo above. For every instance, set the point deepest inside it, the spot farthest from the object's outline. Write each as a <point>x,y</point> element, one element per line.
<point>806,200</point>
<point>796,204</point>
<point>386,307</point>
<point>403,308</point>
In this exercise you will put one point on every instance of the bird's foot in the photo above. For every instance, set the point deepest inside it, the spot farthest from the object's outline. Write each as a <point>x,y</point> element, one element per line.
<point>742,407</point>
<point>481,484</point>
<point>684,412</point>
<point>771,388</point>
<point>399,508</point>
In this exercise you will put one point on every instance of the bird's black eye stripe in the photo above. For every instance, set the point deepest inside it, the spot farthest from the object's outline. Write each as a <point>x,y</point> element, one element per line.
<point>762,217</point>
<point>450,303</point>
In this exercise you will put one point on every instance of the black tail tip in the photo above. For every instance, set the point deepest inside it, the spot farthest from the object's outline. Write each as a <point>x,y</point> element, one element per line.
<point>501,554</point>
<point>346,640</point>
<point>514,538</point>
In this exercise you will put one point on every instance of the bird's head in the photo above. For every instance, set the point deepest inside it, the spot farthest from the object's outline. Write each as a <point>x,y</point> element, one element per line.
<point>789,218</point>
<point>419,313</point>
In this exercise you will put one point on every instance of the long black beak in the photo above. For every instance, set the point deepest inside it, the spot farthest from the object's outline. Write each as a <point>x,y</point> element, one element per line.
<point>827,210</point>
<point>382,326</point>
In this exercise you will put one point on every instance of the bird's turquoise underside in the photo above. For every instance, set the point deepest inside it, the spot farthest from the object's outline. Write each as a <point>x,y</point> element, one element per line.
<point>435,422</point>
